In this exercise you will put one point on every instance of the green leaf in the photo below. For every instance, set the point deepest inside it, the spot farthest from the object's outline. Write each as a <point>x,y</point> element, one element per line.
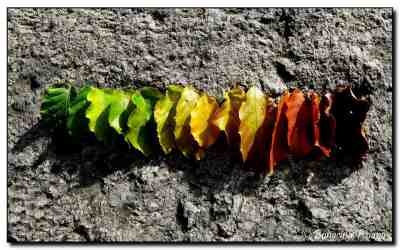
<point>138,134</point>
<point>183,137</point>
<point>151,94</point>
<point>56,103</point>
<point>76,121</point>
<point>164,113</point>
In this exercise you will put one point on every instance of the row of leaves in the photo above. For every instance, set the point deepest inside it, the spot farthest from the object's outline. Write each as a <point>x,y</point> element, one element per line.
<point>298,124</point>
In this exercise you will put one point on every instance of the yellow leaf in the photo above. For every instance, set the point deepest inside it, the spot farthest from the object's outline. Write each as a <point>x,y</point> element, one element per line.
<point>203,130</point>
<point>252,114</point>
<point>226,117</point>
<point>184,139</point>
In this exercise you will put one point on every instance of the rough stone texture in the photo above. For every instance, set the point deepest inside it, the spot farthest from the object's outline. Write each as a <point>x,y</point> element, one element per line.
<point>97,192</point>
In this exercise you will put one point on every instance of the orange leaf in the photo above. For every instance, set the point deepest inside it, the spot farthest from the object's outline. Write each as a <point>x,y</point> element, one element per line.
<point>304,125</point>
<point>299,117</point>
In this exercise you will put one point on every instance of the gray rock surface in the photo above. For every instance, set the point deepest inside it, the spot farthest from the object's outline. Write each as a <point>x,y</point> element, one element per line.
<point>97,192</point>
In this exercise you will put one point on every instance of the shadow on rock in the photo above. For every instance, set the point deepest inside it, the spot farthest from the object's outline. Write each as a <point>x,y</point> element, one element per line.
<point>323,173</point>
<point>36,132</point>
<point>31,149</point>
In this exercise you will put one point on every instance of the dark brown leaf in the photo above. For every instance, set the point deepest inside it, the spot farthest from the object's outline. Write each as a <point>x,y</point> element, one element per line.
<point>350,113</point>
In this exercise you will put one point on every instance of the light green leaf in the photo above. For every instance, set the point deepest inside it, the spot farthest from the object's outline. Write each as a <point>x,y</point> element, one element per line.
<point>97,113</point>
<point>164,112</point>
<point>105,110</point>
<point>138,134</point>
<point>119,103</point>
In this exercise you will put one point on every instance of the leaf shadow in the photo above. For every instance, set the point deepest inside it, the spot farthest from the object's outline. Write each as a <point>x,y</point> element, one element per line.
<point>90,161</point>
<point>86,158</point>
<point>221,169</point>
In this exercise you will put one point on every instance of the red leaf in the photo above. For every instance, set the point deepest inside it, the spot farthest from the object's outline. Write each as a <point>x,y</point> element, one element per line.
<point>327,125</point>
